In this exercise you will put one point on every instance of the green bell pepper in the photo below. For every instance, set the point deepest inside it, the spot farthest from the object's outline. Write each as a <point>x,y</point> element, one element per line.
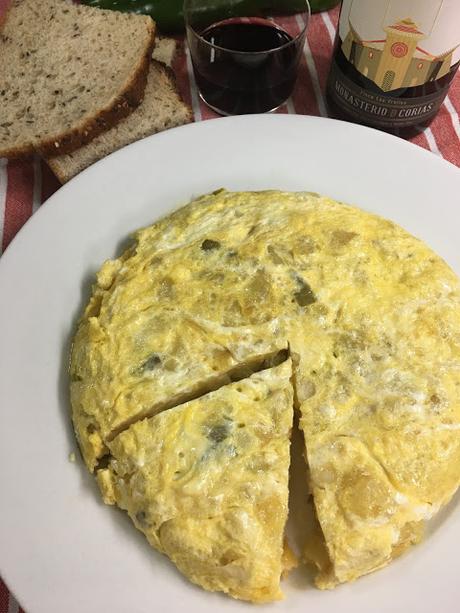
<point>169,15</point>
<point>322,5</point>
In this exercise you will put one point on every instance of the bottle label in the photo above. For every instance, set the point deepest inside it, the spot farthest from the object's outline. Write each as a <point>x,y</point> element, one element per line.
<point>401,43</point>
<point>378,110</point>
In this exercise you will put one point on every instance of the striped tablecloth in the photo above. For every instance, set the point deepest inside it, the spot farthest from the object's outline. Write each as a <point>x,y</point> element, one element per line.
<point>25,185</point>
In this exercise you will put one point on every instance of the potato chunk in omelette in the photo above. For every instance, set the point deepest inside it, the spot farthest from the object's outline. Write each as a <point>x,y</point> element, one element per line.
<point>225,285</point>
<point>207,483</point>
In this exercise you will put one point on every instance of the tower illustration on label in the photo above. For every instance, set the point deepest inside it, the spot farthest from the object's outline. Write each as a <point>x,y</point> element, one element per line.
<point>399,57</point>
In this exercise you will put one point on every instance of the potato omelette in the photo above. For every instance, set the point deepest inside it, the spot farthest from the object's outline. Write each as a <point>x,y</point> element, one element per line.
<point>223,295</point>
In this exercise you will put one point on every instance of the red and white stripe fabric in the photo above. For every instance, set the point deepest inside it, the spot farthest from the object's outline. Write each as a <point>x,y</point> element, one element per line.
<point>25,185</point>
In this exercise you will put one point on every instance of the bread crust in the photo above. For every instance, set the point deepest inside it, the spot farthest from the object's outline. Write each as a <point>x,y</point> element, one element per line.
<point>88,128</point>
<point>57,169</point>
<point>172,79</point>
<point>4,16</point>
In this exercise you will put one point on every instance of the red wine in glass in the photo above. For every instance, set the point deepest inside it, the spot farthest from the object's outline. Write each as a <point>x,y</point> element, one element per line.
<point>244,64</point>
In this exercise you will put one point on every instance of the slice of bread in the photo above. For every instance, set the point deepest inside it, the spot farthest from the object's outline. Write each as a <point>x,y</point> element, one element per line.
<point>67,73</point>
<point>161,109</point>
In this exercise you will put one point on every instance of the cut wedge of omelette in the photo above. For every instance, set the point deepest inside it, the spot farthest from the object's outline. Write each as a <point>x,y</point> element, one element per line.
<point>370,316</point>
<point>207,483</point>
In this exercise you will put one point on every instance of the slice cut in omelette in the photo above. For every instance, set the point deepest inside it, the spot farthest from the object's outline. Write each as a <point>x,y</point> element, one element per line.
<point>162,359</point>
<point>207,483</point>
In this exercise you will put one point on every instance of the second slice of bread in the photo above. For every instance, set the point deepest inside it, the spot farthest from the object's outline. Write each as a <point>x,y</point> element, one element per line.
<point>161,109</point>
<point>67,73</point>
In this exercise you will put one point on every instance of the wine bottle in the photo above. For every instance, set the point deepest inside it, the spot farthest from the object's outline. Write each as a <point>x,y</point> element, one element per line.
<point>393,61</point>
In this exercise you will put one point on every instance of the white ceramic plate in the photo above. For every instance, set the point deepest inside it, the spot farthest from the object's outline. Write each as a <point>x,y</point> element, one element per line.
<point>61,549</point>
